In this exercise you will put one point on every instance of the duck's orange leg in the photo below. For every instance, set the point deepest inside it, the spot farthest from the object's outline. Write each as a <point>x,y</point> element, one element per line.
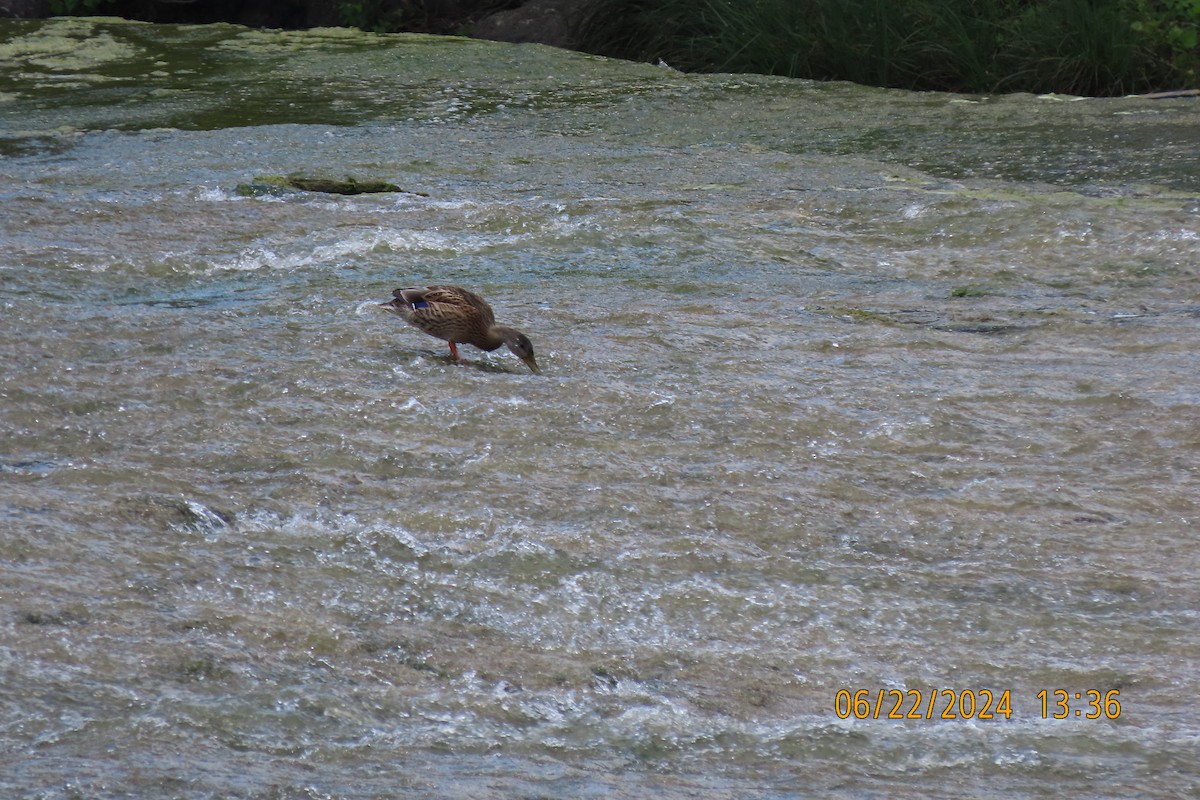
<point>454,352</point>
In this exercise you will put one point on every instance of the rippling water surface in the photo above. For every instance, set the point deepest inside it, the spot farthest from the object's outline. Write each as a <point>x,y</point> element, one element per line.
<point>842,389</point>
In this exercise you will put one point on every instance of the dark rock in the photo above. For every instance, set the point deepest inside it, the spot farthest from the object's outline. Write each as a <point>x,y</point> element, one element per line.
<point>552,22</point>
<point>24,9</point>
<point>279,185</point>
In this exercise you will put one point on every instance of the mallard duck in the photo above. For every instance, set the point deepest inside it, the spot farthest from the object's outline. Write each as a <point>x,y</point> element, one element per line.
<point>458,316</point>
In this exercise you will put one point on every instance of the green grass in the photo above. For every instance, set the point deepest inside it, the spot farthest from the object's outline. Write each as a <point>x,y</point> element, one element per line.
<point>1075,46</point>
<point>1092,47</point>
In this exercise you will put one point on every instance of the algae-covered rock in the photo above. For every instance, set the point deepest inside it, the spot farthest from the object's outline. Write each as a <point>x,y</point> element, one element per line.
<point>277,185</point>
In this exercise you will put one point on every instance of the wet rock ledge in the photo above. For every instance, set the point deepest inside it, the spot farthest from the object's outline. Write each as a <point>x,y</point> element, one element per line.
<point>551,22</point>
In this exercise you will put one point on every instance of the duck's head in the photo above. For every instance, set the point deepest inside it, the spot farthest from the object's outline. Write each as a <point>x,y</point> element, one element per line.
<point>394,306</point>
<point>521,346</point>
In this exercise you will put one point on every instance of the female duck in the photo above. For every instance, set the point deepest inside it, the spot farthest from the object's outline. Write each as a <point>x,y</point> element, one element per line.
<point>459,317</point>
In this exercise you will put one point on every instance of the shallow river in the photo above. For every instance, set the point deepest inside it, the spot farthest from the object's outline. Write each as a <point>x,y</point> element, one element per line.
<point>849,397</point>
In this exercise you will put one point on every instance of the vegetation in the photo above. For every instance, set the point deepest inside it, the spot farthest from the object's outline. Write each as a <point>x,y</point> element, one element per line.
<point>375,16</point>
<point>1094,47</point>
<point>1090,47</point>
<point>1173,27</point>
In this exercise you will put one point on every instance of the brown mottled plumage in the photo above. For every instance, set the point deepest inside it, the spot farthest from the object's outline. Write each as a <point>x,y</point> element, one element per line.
<point>458,316</point>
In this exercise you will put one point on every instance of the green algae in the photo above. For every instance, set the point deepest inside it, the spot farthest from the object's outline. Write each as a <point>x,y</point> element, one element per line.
<point>100,73</point>
<point>973,290</point>
<point>107,74</point>
<point>860,315</point>
<point>71,45</point>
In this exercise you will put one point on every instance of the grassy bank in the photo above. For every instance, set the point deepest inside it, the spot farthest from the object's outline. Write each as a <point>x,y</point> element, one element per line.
<point>1091,47</point>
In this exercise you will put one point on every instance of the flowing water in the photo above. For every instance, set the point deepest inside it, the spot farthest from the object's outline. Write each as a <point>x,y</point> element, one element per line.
<point>843,389</point>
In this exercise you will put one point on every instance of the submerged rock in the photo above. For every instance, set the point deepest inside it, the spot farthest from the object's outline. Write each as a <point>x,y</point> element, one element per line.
<point>160,511</point>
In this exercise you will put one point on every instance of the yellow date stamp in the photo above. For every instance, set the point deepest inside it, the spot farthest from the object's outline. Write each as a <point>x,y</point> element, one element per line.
<point>980,704</point>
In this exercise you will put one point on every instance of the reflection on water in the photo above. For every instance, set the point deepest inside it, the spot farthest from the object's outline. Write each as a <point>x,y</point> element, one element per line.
<point>814,416</point>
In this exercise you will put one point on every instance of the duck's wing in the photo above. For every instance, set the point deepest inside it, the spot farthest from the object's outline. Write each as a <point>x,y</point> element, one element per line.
<point>447,312</point>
